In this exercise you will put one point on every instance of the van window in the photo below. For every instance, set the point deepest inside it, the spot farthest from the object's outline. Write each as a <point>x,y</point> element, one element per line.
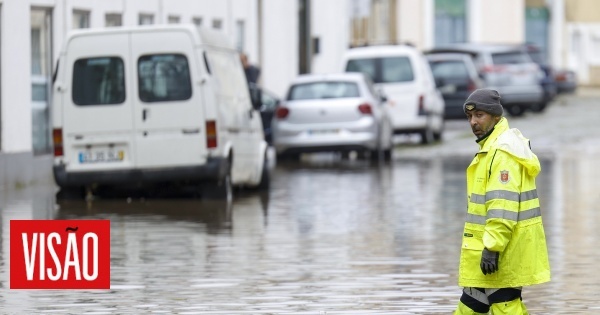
<point>164,78</point>
<point>98,81</point>
<point>383,70</point>
<point>316,90</point>
<point>512,57</point>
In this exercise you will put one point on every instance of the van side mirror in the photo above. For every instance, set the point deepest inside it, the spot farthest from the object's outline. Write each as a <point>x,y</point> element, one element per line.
<point>382,96</point>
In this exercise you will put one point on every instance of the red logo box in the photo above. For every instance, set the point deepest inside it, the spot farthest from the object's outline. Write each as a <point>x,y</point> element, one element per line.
<point>59,254</point>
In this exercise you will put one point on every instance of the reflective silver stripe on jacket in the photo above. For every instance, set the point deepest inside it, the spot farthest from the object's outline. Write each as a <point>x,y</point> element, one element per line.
<point>504,214</point>
<point>504,194</point>
<point>477,295</point>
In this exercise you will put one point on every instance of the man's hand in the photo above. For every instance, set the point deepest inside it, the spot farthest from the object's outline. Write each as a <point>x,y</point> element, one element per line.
<point>489,261</point>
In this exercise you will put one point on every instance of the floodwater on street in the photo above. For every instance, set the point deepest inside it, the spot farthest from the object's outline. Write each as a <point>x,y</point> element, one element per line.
<point>331,236</point>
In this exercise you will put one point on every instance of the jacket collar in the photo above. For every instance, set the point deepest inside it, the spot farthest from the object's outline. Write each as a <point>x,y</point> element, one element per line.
<point>486,143</point>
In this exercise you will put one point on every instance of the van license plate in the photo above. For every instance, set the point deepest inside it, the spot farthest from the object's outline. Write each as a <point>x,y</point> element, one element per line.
<point>101,156</point>
<point>323,132</point>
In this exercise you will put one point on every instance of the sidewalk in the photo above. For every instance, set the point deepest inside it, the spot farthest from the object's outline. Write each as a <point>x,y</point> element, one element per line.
<point>21,169</point>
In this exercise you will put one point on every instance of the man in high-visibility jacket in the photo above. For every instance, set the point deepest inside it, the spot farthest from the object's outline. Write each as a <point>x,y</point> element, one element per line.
<point>504,245</point>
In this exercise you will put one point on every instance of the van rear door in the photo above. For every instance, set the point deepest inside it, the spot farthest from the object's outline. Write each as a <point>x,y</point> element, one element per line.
<point>168,111</point>
<point>97,122</point>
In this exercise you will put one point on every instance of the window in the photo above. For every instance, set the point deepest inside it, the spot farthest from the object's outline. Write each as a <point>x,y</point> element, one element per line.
<point>450,21</point>
<point>163,78</point>
<point>511,57</point>
<point>317,90</point>
<point>81,19</point>
<point>383,70</point>
<point>197,21</point>
<point>449,69</point>
<point>113,19</point>
<point>217,24</point>
<point>98,81</point>
<point>173,19</point>
<point>146,19</point>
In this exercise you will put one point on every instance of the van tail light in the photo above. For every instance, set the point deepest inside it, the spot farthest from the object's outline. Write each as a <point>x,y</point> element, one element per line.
<point>211,134</point>
<point>282,112</point>
<point>365,108</point>
<point>57,140</point>
<point>471,87</point>
<point>422,105</point>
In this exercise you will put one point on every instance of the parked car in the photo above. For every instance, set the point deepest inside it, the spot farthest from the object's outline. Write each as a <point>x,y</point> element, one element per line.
<point>403,74</point>
<point>332,112</point>
<point>507,69</point>
<point>548,81</point>
<point>566,81</point>
<point>456,77</point>
<point>265,102</point>
<point>155,104</point>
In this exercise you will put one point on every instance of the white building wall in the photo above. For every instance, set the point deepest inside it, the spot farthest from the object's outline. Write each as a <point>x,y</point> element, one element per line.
<point>331,24</point>
<point>411,19</point>
<point>497,21</point>
<point>16,76</point>
<point>280,44</point>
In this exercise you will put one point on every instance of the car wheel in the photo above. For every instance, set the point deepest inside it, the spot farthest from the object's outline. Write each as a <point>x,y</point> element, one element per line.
<point>539,107</point>
<point>516,110</point>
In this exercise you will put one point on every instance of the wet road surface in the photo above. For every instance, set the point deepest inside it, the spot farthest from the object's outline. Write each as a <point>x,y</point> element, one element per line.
<point>332,236</point>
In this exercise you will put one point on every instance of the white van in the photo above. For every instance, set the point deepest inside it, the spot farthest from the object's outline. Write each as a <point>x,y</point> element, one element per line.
<point>402,72</point>
<point>155,104</point>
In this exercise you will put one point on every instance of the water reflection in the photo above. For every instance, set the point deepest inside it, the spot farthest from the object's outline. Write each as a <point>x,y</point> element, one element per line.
<point>331,235</point>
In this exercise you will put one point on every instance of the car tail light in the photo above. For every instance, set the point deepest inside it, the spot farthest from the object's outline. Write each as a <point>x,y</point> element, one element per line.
<point>57,140</point>
<point>493,69</point>
<point>282,112</point>
<point>365,108</point>
<point>211,134</point>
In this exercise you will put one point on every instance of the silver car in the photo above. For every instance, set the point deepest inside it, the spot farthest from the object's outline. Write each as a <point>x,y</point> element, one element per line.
<point>332,112</point>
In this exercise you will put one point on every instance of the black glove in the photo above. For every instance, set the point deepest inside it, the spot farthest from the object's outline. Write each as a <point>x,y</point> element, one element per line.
<point>489,261</point>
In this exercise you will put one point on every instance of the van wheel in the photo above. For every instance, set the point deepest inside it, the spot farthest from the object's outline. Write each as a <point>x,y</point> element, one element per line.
<point>265,178</point>
<point>221,190</point>
<point>427,135</point>
<point>437,136</point>
<point>70,193</point>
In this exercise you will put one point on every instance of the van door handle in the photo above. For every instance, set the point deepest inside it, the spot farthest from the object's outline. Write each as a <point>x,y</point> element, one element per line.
<point>190,131</point>
<point>144,114</point>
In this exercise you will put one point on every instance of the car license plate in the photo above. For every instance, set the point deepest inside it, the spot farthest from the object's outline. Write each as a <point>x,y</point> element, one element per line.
<point>323,132</point>
<point>101,156</point>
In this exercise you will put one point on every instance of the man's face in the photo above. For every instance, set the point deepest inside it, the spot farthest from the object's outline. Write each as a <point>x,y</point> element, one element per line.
<point>481,122</point>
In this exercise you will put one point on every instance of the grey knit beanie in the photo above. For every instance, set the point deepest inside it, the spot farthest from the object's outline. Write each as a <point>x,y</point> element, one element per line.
<point>486,100</point>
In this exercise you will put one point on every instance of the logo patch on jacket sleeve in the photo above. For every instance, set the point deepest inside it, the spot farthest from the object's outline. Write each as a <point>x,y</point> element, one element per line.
<point>504,178</point>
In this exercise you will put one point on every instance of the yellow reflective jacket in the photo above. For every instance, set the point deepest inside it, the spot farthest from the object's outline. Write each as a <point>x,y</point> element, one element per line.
<point>504,214</point>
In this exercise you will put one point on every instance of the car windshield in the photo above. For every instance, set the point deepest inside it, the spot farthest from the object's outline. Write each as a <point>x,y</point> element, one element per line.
<point>383,70</point>
<point>512,57</point>
<point>320,90</point>
<point>449,69</point>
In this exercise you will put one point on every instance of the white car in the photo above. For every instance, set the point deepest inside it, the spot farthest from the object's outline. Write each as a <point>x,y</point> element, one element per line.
<point>402,72</point>
<point>332,112</point>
